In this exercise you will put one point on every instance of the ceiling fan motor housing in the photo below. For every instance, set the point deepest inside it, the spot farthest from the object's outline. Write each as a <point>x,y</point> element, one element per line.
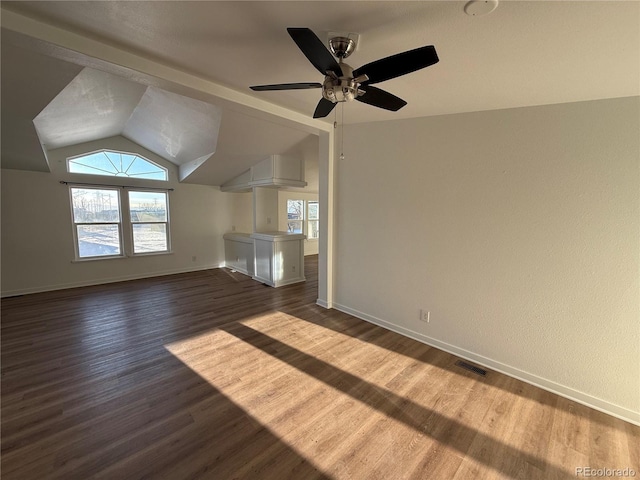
<point>341,89</point>
<point>339,84</point>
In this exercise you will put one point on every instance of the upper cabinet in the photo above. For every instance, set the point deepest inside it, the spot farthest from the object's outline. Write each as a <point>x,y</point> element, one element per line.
<point>273,171</point>
<point>238,184</point>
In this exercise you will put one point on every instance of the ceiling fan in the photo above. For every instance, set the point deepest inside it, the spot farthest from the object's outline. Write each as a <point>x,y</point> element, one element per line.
<point>341,82</point>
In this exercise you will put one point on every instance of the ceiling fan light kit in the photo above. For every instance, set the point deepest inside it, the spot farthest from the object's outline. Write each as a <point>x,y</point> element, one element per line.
<point>343,88</point>
<point>342,83</point>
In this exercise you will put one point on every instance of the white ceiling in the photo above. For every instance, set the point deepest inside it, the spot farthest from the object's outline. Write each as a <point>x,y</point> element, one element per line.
<point>93,105</point>
<point>522,54</point>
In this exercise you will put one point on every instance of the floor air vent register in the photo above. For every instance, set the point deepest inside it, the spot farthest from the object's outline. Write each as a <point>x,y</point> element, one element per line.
<point>471,368</point>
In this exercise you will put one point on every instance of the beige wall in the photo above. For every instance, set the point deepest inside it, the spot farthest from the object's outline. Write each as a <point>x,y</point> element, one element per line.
<point>265,208</point>
<point>37,239</point>
<point>517,229</point>
<point>241,212</point>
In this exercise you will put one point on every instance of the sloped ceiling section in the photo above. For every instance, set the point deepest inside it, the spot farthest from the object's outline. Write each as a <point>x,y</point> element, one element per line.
<point>94,105</point>
<point>25,92</point>
<point>98,105</point>
<point>180,129</point>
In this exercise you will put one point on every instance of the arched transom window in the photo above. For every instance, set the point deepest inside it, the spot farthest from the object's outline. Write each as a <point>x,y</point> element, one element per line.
<point>116,164</point>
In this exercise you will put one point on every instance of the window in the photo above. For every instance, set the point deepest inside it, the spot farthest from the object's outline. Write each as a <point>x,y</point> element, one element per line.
<point>313,220</point>
<point>148,213</point>
<point>99,222</point>
<point>303,217</point>
<point>295,215</point>
<point>116,164</point>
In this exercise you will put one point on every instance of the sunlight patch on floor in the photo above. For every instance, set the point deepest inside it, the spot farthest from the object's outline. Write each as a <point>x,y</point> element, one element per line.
<point>307,414</point>
<point>352,406</point>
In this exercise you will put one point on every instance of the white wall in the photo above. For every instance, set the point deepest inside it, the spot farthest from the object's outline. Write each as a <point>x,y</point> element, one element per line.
<point>37,238</point>
<point>241,211</point>
<point>265,209</point>
<point>518,229</point>
<point>310,246</point>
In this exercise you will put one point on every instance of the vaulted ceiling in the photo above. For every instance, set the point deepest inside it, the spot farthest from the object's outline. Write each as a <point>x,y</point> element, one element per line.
<point>521,54</point>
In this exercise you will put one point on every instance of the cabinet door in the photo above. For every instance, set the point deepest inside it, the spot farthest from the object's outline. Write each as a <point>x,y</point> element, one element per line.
<point>231,254</point>
<point>264,260</point>
<point>287,261</point>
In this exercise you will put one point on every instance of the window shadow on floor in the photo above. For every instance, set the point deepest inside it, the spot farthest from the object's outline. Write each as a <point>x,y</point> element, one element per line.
<point>494,454</point>
<point>157,420</point>
<point>375,335</point>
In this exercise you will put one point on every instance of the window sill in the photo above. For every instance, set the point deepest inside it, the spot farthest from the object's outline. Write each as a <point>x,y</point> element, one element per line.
<point>149,254</point>
<point>118,257</point>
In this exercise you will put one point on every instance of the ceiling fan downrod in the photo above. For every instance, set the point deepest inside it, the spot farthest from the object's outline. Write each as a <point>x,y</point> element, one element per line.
<point>342,47</point>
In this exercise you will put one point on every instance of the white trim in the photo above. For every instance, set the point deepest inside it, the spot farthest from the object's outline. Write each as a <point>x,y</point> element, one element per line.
<point>548,385</point>
<point>243,271</point>
<point>323,304</point>
<point>278,284</point>
<point>89,283</point>
<point>326,197</point>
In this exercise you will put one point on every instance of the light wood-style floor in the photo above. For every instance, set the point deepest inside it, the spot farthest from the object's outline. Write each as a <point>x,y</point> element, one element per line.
<point>212,375</point>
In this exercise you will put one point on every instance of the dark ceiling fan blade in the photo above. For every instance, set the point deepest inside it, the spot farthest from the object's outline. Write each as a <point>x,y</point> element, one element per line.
<point>314,50</point>
<point>379,98</point>
<point>399,64</point>
<point>324,108</point>
<point>286,86</point>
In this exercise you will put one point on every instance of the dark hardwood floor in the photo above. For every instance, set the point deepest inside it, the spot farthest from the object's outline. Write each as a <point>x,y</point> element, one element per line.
<point>212,375</point>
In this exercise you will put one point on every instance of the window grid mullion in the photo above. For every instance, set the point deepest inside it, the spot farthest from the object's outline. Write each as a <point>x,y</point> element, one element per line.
<point>127,224</point>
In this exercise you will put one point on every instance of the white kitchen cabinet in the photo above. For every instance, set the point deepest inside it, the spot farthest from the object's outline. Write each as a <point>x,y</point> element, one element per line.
<point>273,171</point>
<point>279,258</point>
<point>239,252</point>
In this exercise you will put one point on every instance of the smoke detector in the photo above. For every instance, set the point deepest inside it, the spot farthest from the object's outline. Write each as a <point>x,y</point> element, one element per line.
<point>477,8</point>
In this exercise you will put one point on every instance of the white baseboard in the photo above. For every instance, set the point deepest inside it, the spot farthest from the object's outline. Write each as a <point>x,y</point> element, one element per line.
<point>549,385</point>
<point>102,281</point>
<point>323,303</point>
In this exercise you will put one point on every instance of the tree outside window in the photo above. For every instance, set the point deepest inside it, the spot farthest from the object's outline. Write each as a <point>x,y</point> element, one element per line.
<point>99,222</point>
<point>295,216</point>
<point>303,217</point>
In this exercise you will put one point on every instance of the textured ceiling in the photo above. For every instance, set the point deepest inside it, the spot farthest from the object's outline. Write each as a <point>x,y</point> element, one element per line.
<point>93,105</point>
<point>522,54</point>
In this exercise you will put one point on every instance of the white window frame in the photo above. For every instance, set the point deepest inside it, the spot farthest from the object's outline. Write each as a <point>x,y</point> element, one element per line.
<point>70,160</point>
<point>75,224</point>
<point>125,223</point>
<point>309,221</point>
<point>131,222</point>
<point>299,221</point>
<point>304,221</point>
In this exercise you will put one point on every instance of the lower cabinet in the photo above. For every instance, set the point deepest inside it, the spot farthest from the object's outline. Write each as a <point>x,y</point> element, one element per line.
<point>238,252</point>
<point>273,258</point>
<point>279,258</point>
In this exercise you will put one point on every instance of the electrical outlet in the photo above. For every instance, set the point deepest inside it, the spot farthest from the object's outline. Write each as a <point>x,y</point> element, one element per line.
<point>194,258</point>
<point>425,315</point>
<point>233,228</point>
<point>268,220</point>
